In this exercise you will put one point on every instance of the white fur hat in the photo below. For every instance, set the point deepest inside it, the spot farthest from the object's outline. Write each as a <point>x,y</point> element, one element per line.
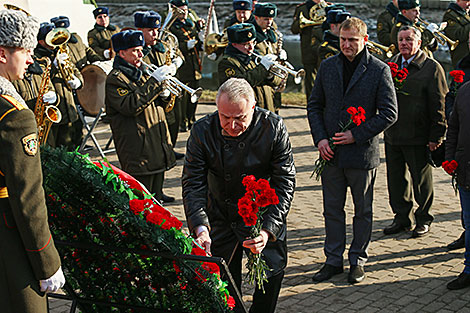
<point>18,30</point>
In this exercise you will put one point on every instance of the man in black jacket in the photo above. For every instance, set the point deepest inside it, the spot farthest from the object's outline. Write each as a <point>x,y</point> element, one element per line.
<point>239,139</point>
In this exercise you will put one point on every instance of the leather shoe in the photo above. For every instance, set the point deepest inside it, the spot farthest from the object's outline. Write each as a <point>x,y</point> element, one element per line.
<point>178,155</point>
<point>167,199</point>
<point>395,228</point>
<point>356,274</point>
<point>326,272</point>
<point>462,281</point>
<point>420,230</point>
<point>457,244</point>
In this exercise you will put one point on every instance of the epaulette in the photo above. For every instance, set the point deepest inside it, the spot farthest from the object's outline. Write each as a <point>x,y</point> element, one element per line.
<point>18,105</point>
<point>324,44</point>
<point>398,25</point>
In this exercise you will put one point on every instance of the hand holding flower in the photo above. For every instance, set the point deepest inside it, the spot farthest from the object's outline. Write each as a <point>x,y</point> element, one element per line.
<point>257,244</point>
<point>343,138</point>
<point>326,152</point>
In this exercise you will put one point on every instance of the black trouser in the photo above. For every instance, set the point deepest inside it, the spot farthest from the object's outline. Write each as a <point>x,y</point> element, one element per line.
<point>188,108</point>
<point>153,182</point>
<point>408,175</point>
<point>310,73</point>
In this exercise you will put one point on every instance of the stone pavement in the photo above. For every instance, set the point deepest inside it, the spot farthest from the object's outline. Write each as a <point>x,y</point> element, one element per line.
<point>402,274</point>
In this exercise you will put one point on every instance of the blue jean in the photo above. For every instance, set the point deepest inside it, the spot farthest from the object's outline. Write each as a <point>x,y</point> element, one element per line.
<point>465,204</point>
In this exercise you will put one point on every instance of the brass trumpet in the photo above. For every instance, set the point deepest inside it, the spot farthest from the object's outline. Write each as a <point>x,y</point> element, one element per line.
<point>58,38</point>
<point>440,37</point>
<point>175,86</point>
<point>305,22</point>
<point>379,49</point>
<point>282,71</point>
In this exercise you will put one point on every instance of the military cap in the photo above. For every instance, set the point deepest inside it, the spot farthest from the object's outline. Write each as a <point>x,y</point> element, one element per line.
<point>100,10</point>
<point>340,7</point>
<point>408,4</point>
<point>18,30</point>
<point>127,39</point>
<point>342,16</point>
<point>61,21</point>
<point>147,19</point>
<point>331,16</point>
<point>240,33</point>
<point>244,5</point>
<point>179,3</point>
<point>265,10</point>
<point>44,29</point>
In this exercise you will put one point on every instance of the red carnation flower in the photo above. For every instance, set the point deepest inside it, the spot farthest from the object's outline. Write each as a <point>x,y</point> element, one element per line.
<point>137,206</point>
<point>457,75</point>
<point>352,110</point>
<point>249,182</point>
<point>231,302</point>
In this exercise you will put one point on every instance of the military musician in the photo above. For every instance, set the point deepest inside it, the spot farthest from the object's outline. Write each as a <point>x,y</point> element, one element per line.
<point>385,22</point>
<point>458,28</point>
<point>99,37</point>
<point>243,10</point>
<point>330,45</point>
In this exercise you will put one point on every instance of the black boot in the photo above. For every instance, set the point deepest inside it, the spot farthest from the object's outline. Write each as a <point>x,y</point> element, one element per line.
<point>457,244</point>
<point>462,281</point>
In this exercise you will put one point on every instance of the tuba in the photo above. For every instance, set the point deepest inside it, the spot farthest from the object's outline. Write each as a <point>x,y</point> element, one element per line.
<point>58,38</point>
<point>45,115</point>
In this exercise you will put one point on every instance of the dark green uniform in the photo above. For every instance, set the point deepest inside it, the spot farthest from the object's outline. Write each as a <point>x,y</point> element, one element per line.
<point>458,27</point>
<point>428,42</point>
<point>385,24</point>
<point>80,54</point>
<point>99,38</point>
<point>138,124</point>
<point>310,39</point>
<point>239,65</point>
<point>27,251</point>
<point>329,47</point>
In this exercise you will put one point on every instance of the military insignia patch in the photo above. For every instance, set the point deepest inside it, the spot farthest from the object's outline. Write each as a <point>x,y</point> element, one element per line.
<point>451,23</point>
<point>229,72</point>
<point>330,54</point>
<point>122,92</point>
<point>250,35</point>
<point>30,144</point>
<point>90,41</point>
<point>380,26</point>
<point>314,40</point>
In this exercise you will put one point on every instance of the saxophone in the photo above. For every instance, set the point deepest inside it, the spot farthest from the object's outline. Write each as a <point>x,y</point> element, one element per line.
<point>45,115</point>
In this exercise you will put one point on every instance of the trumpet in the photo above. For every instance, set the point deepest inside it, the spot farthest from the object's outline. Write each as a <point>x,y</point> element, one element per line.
<point>282,71</point>
<point>175,86</point>
<point>379,49</point>
<point>58,38</point>
<point>305,22</point>
<point>440,37</point>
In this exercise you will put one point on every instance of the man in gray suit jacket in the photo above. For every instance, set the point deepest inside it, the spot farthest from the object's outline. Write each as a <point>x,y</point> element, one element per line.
<point>351,79</point>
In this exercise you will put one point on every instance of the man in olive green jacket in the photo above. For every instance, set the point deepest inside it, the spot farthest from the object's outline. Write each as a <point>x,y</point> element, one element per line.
<point>385,22</point>
<point>29,262</point>
<point>420,127</point>
<point>99,37</point>
<point>458,28</point>
<point>138,123</point>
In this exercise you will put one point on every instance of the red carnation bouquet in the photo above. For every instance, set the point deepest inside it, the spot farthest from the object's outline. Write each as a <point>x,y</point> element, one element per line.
<point>450,167</point>
<point>358,115</point>
<point>259,194</point>
<point>456,82</point>
<point>398,76</point>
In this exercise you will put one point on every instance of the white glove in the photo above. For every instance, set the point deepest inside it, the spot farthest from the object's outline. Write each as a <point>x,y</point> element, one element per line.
<point>53,283</point>
<point>173,69</point>
<point>178,61</point>
<point>107,54</point>
<point>165,93</point>
<point>200,35</point>
<point>212,56</point>
<point>49,97</point>
<point>432,27</point>
<point>61,58</point>
<point>268,60</point>
<point>283,55</point>
<point>75,83</point>
<point>162,73</point>
<point>191,43</point>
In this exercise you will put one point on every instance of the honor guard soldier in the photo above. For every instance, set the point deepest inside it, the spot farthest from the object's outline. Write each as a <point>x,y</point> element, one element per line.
<point>68,132</point>
<point>310,38</point>
<point>243,10</point>
<point>385,22</point>
<point>330,45</point>
<point>238,61</point>
<point>99,38</point>
<point>29,262</point>
<point>409,16</point>
<point>80,54</point>
<point>458,28</point>
<point>138,123</point>
<point>161,53</point>
<point>186,30</point>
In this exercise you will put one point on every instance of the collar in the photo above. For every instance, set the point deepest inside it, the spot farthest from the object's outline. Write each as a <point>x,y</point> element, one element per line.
<point>392,9</point>
<point>131,72</point>
<point>418,59</point>
<point>35,68</point>
<point>407,61</point>
<point>402,19</point>
<point>159,47</point>
<point>261,36</point>
<point>357,58</point>
<point>41,51</point>
<point>331,38</point>
<point>7,88</point>
<point>245,59</point>
<point>101,28</point>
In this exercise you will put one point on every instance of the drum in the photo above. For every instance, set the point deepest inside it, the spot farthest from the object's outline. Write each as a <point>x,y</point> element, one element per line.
<point>91,95</point>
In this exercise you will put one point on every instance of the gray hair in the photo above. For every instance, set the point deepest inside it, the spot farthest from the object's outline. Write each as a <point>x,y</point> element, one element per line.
<point>17,30</point>
<point>413,29</point>
<point>236,89</point>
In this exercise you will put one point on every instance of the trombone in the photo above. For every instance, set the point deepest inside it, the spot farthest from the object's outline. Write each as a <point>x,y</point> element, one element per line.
<point>175,86</point>
<point>379,49</point>
<point>440,37</point>
<point>282,71</point>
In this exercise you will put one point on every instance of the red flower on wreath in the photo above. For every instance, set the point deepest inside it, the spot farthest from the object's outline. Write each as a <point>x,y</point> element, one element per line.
<point>457,75</point>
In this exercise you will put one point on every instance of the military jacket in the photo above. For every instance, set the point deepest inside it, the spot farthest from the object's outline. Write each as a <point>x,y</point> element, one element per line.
<point>310,37</point>
<point>66,105</point>
<point>80,54</point>
<point>428,43</point>
<point>329,47</point>
<point>99,38</point>
<point>458,27</point>
<point>191,68</point>
<point>385,24</point>
<point>267,42</point>
<point>22,203</point>
<point>237,64</point>
<point>138,123</point>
